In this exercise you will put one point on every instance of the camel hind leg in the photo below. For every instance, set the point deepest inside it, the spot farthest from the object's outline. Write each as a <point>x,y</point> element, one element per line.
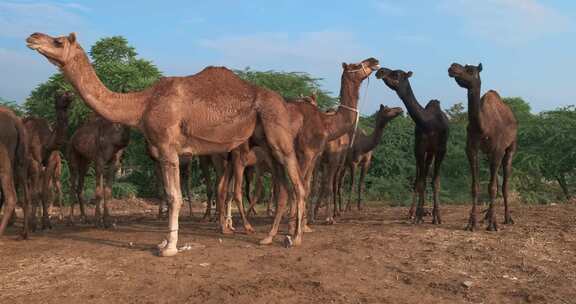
<point>436,219</point>
<point>495,162</point>
<point>8,188</point>
<point>506,173</point>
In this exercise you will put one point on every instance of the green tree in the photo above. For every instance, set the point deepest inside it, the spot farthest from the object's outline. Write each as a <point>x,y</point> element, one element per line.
<point>18,109</point>
<point>119,69</point>
<point>289,84</point>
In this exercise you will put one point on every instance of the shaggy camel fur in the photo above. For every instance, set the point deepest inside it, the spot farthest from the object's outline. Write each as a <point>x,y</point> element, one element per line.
<point>360,153</point>
<point>431,138</point>
<point>211,112</point>
<point>13,166</point>
<point>42,142</point>
<point>102,142</point>
<point>492,128</point>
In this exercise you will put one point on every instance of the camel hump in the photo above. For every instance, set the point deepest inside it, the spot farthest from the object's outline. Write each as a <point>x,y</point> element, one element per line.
<point>433,103</point>
<point>494,106</point>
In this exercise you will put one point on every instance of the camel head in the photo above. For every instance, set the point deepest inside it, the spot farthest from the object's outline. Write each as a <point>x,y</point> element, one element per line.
<point>362,70</point>
<point>63,100</point>
<point>386,114</point>
<point>466,76</point>
<point>58,50</point>
<point>312,99</point>
<point>394,79</point>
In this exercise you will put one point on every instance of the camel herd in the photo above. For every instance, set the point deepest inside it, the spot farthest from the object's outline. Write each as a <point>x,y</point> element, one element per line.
<point>240,129</point>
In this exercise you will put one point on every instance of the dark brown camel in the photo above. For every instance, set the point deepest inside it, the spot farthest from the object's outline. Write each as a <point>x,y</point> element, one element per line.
<point>13,166</point>
<point>102,142</point>
<point>431,138</point>
<point>42,142</point>
<point>211,112</point>
<point>360,153</point>
<point>492,128</point>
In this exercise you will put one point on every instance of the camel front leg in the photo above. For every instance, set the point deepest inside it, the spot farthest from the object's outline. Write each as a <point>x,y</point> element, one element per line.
<point>361,183</point>
<point>239,168</point>
<point>472,154</point>
<point>282,198</point>
<point>100,192</point>
<point>352,169</point>
<point>423,161</point>
<point>171,180</point>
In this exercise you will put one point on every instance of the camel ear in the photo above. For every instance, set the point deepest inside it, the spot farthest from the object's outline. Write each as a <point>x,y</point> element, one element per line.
<point>409,74</point>
<point>72,38</point>
<point>381,107</point>
<point>480,67</point>
<point>344,65</point>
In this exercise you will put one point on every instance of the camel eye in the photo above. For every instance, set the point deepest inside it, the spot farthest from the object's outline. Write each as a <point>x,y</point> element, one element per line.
<point>58,43</point>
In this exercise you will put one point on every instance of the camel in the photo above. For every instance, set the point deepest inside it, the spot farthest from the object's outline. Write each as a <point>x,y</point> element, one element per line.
<point>213,111</point>
<point>42,142</point>
<point>13,166</point>
<point>360,153</point>
<point>317,128</point>
<point>102,142</point>
<point>492,128</point>
<point>431,138</point>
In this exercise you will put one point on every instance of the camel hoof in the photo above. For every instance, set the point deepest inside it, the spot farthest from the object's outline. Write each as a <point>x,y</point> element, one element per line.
<point>227,231</point>
<point>330,221</point>
<point>307,229</point>
<point>267,240</point>
<point>297,241</point>
<point>509,221</point>
<point>249,230</point>
<point>167,252</point>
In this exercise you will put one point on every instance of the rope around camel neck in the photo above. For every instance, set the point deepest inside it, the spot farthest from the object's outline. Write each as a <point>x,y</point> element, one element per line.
<point>357,113</point>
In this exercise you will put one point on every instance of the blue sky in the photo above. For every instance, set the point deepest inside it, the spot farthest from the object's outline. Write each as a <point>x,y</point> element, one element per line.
<point>527,47</point>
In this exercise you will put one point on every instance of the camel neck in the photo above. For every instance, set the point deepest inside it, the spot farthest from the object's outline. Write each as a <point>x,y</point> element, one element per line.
<point>474,106</point>
<point>58,137</point>
<point>345,118</point>
<point>414,108</point>
<point>123,108</point>
<point>372,140</point>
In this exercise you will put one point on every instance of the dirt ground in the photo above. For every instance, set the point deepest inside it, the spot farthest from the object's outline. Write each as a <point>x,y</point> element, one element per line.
<point>372,256</point>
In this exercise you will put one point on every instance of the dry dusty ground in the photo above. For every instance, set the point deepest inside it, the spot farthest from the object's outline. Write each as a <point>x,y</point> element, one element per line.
<point>374,256</point>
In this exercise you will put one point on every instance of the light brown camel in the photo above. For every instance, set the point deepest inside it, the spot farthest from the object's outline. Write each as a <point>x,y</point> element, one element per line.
<point>431,138</point>
<point>102,142</point>
<point>13,166</point>
<point>317,128</point>
<point>211,112</point>
<point>248,157</point>
<point>360,153</point>
<point>42,142</point>
<point>492,128</point>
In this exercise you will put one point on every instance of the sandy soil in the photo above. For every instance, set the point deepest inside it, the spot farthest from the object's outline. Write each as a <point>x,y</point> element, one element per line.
<point>373,256</point>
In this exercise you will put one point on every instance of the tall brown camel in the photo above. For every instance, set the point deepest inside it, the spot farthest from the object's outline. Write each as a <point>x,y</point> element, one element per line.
<point>492,128</point>
<point>360,153</point>
<point>317,128</point>
<point>211,112</point>
<point>102,142</point>
<point>13,166</point>
<point>431,138</point>
<point>42,142</point>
